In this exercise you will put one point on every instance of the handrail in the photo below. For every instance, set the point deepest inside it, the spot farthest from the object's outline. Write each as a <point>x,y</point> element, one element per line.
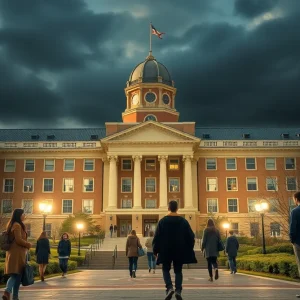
<point>114,256</point>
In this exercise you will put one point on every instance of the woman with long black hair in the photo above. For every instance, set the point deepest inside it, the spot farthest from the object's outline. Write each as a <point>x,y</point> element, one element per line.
<point>16,255</point>
<point>42,253</point>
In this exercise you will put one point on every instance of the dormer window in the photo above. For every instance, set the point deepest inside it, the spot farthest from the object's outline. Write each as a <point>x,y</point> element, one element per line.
<point>206,135</point>
<point>246,135</point>
<point>285,135</point>
<point>94,137</point>
<point>51,137</point>
<point>35,137</point>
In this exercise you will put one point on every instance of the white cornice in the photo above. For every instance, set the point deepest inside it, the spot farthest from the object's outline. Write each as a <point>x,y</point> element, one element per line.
<point>253,144</point>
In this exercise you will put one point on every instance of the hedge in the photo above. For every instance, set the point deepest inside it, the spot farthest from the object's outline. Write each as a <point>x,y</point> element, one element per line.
<point>281,248</point>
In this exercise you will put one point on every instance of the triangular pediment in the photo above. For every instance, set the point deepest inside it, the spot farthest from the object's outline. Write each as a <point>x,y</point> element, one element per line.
<point>151,132</point>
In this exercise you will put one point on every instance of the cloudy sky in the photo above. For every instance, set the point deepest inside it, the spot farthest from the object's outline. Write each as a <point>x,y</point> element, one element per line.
<point>64,63</point>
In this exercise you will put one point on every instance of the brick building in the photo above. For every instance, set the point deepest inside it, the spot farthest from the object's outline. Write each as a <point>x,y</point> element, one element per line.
<point>125,173</point>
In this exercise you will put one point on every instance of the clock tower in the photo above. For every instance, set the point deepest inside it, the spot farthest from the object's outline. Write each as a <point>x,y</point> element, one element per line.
<point>150,94</point>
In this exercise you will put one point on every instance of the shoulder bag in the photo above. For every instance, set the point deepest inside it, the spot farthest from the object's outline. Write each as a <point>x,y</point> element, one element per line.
<point>141,251</point>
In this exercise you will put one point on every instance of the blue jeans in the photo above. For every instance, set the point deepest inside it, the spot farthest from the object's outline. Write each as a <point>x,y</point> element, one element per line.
<point>13,285</point>
<point>151,260</point>
<point>232,263</point>
<point>178,275</point>
<point>132,264</point>
<point>63,264</point>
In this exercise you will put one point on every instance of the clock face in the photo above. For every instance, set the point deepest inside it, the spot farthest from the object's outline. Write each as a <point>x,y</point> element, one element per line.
<point>150,118</point>
<point>166,99</point>
<point>135,99</point>
<point>150,97</point>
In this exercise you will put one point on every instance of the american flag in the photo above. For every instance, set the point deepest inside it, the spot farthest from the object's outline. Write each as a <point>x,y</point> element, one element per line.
<point>156,32</point>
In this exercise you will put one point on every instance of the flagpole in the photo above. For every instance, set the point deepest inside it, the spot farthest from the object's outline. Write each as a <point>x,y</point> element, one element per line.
<point>150,39</point>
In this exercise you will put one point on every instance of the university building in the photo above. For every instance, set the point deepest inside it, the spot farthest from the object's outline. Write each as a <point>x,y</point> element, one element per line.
<point>126,173</point>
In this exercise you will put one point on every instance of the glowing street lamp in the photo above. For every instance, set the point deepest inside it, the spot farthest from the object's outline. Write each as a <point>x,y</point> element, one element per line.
<point>45,209</point>
<point>79,227</point>
<point>262,207</point>
<point>226,226</point>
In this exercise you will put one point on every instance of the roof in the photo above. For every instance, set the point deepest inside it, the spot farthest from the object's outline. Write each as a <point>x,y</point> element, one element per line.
<point>248,133</point>
<point>76,134</point>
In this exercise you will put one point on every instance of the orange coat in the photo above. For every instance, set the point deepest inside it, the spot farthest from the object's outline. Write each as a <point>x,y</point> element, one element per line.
<point>16,255</point>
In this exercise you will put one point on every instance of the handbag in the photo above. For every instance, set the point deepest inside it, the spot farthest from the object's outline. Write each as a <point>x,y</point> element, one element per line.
<point>141,251</point>
<point>220,245</point>
<point>28,274</point>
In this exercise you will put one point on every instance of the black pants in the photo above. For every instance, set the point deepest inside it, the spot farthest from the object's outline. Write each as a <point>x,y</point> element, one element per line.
<point>132,264</point>
<point>211,262</point>
<point>63,264</point>
<point>178,275</point>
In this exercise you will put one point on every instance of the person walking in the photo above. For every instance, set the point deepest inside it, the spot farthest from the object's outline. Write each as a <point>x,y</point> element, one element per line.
<point>42,252</point>
<point>115,231</point>
<point>64,252</point>
<point>231,249</point>
<point>150,255</point>
<point>295,230</point>
<point>132,245</point>
<point>111,229</point>
<point>173,242</point>
<point>15,259</point>
<point>209,247</point>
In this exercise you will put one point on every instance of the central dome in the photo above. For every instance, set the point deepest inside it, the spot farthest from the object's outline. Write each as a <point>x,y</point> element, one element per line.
<point>150,70</point>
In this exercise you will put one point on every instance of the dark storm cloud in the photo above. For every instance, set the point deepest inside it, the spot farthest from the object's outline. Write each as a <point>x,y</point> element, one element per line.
<point>253,8</point>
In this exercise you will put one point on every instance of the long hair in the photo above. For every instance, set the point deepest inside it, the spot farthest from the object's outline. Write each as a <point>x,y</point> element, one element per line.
<point>43,235</point>
<point>62,236</point>
<point>16,218</point>
<point>210,223</point>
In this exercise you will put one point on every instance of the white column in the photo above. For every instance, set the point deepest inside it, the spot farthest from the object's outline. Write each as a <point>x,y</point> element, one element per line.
<point>195,182</point>
<point>188,188</point>
<point>137,184</point>
<point>113,182</point>
<point>105,183</point>
<point>163,183</point>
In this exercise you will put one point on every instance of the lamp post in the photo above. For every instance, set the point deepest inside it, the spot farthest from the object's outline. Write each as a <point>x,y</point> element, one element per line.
<point>45,209</point>
<point>226,227</point>
<point>79,227</point>
<point>262,207</point>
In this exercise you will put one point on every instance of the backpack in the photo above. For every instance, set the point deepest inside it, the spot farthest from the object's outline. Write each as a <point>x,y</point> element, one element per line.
<point>5,241</point>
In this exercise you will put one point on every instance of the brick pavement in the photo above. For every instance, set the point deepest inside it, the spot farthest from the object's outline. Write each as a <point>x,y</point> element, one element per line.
<point>116,285</point>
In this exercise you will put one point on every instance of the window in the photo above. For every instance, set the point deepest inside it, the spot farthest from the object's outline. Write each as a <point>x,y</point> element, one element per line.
<point>68,185</point>
<point>29,165</point>
<point>27,185</point>
<point>8,186</point>
<point>230,164</point>
<point>232,205</point>
<point>49,165</point>
<point>250,164</point>
<point>290,163</point>
<point>231,183</point>
<point>174,185</point>
<point>67,207</point>
<point>211,184</point>
<point>252,184</point>
<point>48,230</point>
<point>212,205</point>
<point>251,205</point>
<point>89,165</point>
<point>126,185</point>
<point>254,229</point>
<point>275,229</point>
<point>150,203</point>
<point>150,164</point>
<point>28,229</point>
<point>126,164</point>
<point>88,206</point>
<point>274,205</point>
<point>48,185</point>
<point>271,183</point>
<point>150,185</point>
<point>291,183</point>
<point>211,164</point>
<point>270,163</point>
<point>235,228</point>
<point>7,206</point>
<point>174,164</point>
<point>28,206</point>
<point>292,204</point>
<point>126,203</point>
<point>69,165</point>
<point>10,165</point>
<point>88,184</point>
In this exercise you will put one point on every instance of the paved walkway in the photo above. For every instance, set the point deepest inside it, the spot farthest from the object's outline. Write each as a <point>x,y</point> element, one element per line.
<point>117,285</point>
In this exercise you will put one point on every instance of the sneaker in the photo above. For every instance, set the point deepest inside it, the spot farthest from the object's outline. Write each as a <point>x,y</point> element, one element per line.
<point>234,272</point>
<point>210,279</point>
<point>217,274</point>
<point>297,296</point>
<point>178,295</point>
<point>133,274</point>
<point>170,294</point>
<point>153,271</point>
<point>149,270</point>
<point>231,272</point>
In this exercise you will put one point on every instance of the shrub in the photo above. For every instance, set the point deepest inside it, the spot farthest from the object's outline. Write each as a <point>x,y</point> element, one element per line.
<point>78,259</point>
<point>280,248</point>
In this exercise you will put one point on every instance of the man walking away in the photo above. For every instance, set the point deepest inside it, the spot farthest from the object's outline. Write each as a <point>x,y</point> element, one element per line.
<point>295,230</point>
<point>173,242</point>
<point>232,247</point>
<point>111,229</point>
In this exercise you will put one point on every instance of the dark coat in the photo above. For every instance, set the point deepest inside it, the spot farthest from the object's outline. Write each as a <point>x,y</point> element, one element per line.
<point>211,237</point>
<point>42,251</point>
<point>295,226</point>
<point>174,241</point>
<point>132,245</point>
<point>64,248</point>
<point>232,246</point>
